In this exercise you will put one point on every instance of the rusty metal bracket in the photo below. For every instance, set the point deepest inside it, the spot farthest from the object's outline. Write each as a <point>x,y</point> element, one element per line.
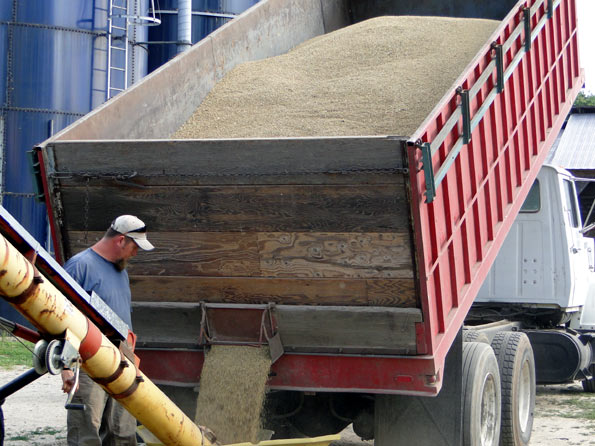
<point>131,389</point>
<point>31,256</point>
<point>550,9</point>
<point>428,168</point>
<point>203,337</point>
<point>527,20</point>
<point>257,326</point>
<point>114,376</point>
<point>499,57</point>
<point>275,345</point>
<point>466,112</point>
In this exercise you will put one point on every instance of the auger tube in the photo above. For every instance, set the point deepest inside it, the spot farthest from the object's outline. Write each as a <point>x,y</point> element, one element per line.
<point>48,310</point>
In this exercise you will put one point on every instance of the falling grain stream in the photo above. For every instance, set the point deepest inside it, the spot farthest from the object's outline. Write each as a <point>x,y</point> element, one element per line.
<point>232,391</point>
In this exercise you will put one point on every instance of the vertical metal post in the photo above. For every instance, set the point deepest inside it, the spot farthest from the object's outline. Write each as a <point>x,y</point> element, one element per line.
<point>527,19</point>
<point>466,111</point>
<point>499,67</point>
<point>126,12</point>
<point>109,51</point>
<point>184,25</point>
<point>48,240</point>
<point>550,8</point>
<point>426,155</point>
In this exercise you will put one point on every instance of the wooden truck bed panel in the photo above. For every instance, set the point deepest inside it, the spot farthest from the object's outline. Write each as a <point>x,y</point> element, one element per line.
<point>259,290</point>
<point>227,161</point>
<point>272,254</point>
<point>275,208</point>
<point>321,221</point>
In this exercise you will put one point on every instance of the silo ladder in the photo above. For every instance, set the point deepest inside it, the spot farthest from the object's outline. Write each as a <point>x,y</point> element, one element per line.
<point>117,47</point>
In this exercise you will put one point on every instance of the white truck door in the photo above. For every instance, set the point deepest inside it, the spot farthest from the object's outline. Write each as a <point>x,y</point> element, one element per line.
<point>579,247</point>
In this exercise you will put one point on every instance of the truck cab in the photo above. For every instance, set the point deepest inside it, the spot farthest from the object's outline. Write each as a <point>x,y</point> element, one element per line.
<point>546,264</point>
<point>543,282</point>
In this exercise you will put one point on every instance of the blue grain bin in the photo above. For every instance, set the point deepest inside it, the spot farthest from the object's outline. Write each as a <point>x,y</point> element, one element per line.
<point>207,16</point>
<point>52,72</point>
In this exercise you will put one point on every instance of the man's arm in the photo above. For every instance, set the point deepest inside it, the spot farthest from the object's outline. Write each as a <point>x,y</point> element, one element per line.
<point>67,380</point>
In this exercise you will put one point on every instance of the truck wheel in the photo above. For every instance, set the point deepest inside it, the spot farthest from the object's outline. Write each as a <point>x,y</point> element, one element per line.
<point>517,377</point>
<point>475,336</point>
<point>589,385</point>
<point>481,395</point>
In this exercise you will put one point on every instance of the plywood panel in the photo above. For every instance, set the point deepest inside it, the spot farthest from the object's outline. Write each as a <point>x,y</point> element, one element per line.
<point>392,292</point>
<point>354,255</point>
<point>362,208</point>
<point>189,253</point>
<point>386,292</point>
<point>313,255</point>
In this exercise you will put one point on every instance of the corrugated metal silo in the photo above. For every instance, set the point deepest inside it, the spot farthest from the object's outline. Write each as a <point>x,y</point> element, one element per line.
<point>53,70</point>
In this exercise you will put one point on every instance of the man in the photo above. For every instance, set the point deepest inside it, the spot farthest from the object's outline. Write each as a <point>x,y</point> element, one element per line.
<point>102,268</point>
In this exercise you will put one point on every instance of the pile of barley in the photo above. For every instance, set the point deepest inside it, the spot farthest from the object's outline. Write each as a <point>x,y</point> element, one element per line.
<point>382,76</point>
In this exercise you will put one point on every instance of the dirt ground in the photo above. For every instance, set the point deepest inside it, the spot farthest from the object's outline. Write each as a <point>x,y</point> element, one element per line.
<point>35,415</point>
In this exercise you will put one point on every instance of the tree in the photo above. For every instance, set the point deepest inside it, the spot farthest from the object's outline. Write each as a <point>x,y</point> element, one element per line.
<point>583,100</point>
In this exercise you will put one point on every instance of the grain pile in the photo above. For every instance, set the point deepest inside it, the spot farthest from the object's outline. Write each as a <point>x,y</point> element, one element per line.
<point>382,76</point>
<point>232,391</point>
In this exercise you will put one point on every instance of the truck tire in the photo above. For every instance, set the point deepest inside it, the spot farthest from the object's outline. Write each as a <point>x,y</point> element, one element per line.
<point>517,377</point>
<point>589,385</point>
<point>475,336</point>
<point>481,395</point>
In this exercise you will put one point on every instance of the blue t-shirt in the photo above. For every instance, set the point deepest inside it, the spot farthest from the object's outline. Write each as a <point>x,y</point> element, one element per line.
<point>94,273</point>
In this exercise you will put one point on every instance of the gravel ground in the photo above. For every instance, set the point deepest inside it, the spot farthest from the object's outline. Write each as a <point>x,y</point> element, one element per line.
<point>35,415</point>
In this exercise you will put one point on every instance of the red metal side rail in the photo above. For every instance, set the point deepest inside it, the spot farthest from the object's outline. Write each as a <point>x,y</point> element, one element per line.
<point>471,165</point>
<point>474,159</point>
<point>329,373</point>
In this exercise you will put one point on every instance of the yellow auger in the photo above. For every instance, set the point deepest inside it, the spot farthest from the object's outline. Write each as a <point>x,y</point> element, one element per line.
<point>47,308</point>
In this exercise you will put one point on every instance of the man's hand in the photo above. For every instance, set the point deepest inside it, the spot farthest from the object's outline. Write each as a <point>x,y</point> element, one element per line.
<point>67,380</point>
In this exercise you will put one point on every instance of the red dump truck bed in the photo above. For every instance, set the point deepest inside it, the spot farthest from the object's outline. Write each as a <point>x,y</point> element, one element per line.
<point>436,206</point>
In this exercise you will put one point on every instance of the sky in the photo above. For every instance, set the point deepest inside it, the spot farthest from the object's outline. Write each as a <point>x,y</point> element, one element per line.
<point>586,36</point>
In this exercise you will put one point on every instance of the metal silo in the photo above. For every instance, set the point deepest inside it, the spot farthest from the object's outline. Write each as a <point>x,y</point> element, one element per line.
<point>207,16</point>
<point>53,70</point>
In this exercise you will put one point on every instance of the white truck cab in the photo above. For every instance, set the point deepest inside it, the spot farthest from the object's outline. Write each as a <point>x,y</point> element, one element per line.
<point>543,282</point>
<point>546,262</point>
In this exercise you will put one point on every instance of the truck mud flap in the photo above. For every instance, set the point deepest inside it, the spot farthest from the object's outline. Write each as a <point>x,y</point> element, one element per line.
<point>401,419</point>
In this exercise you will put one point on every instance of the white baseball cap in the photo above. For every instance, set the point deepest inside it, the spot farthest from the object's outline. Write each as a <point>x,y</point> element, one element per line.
<point>133,227</point>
